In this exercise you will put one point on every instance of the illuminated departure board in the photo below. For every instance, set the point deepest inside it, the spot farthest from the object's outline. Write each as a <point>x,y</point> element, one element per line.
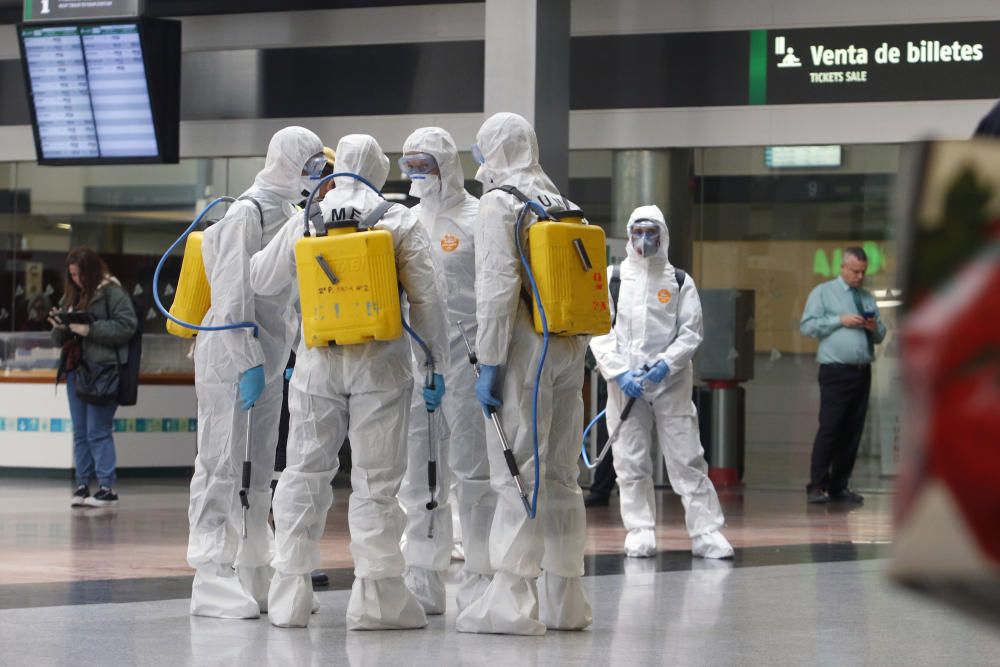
<point>90,91</point>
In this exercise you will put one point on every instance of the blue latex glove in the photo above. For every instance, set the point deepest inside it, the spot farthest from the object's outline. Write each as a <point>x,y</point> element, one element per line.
<point>630,383</point>
<point>251,386</point>
<point>288,374</point>
<point>433,395</point>
<point>484,387</point>
<point>659,371</point>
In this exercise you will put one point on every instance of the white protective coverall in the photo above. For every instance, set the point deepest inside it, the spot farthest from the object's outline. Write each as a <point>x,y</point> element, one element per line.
<point>220,357</point>
<point>360,391</point>
<point>656,321</point>
<point>516,602</point>
<point>448,214</point>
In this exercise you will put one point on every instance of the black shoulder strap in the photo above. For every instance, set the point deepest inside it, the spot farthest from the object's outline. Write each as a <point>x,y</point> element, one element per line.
<point>680,275</point>
<point>614,286</point>
<point>257,204</point>
<point>107,316</point>
<point>511,190</point>
<point>377,213</point>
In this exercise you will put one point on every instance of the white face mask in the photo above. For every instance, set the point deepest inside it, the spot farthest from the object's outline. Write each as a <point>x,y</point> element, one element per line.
<point>425,185</point>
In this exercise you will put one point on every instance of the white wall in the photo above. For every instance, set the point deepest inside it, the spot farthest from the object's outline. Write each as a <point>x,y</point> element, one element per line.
<point>46,449</point>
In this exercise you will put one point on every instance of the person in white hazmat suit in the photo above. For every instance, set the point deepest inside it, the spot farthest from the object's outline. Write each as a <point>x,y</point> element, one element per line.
<point>361,391</point>
<point>448,214</point>
<point>647,355</point>
<point>234,370</point>
<point>521,549</point>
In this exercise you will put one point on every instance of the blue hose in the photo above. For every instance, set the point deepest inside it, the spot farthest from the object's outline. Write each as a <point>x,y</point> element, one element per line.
<point>163,260</point>
<point>541,213</point>
<point>586,432</point>
<point>420,342</point>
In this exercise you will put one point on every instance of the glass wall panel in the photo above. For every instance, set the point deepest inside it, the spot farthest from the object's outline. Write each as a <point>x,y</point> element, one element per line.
<point>781,232</point>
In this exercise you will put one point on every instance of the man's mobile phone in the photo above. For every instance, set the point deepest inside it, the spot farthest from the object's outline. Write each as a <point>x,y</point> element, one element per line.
<point>868,314</point>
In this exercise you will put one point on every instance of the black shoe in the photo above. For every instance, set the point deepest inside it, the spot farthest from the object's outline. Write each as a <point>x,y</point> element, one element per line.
<point>103,498</point>
<point>319,578</point>
<point>80,496</point>
<point>847,496</point>
<point>596,501</point>
<point>816,496</point>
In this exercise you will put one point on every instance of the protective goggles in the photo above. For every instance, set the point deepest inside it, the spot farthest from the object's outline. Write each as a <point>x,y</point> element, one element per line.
<point>418,164</point>
<point>314,166</point>
<point>477,154</point>
<point>645,229</point>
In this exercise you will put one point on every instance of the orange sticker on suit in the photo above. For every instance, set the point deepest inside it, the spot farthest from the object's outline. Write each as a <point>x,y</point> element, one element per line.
<point>663,295</point>
<point>449,243</point>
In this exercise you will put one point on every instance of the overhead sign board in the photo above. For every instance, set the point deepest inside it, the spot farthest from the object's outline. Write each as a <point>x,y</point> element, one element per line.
<point>884,63</point>
<point>941,61</point>
<point>80,10</point>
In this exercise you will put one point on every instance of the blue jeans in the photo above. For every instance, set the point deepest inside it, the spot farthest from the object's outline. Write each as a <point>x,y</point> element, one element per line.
<point>93,445</point>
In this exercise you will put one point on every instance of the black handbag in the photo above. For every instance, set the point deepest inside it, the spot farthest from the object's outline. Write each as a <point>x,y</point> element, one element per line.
<point>98,385</point>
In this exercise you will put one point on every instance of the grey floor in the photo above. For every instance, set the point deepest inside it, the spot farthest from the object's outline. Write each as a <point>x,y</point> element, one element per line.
<point>844,613</point>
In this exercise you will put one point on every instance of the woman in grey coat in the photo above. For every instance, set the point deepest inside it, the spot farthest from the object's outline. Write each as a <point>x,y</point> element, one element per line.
<point>89,287</point>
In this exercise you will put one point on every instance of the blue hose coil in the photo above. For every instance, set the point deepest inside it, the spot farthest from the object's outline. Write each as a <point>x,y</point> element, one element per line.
<point>163,260</point>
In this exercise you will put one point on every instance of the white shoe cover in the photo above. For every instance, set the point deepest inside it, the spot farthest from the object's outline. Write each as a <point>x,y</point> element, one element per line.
<point>640,543</point>
<point>562,603</point>
<point>217,592</point>
<point>428,587</point>
<point>711,545</point>
<point>315,605</point>
<point>508,607</point>
<point>457,551</point>
<point>471,587</point>
<point>256,581</point>
<point>290,600</point>
<point>383,604</point>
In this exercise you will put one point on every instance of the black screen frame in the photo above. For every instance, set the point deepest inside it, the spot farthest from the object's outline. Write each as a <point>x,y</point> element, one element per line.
<point>160,41</point>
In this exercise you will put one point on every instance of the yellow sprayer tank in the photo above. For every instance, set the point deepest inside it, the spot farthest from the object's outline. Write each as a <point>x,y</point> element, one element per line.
<point>570,264</point>
<point>348,287</point>
<point>194,295</point>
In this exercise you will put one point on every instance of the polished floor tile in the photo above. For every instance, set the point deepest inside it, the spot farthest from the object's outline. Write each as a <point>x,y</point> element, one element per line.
<point>43,540</point>
<point>844,613</point>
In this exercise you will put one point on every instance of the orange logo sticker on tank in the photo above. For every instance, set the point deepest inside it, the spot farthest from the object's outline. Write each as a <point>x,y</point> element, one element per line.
<point>663,295</point>
<point>449,243</point>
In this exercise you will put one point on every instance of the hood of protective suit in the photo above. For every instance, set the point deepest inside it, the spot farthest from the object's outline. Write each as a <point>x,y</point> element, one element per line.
<point>439,143</point>
<point>654,214</point>
<point>287,153</point>
<point>360,154</point>
<point>510,148</point>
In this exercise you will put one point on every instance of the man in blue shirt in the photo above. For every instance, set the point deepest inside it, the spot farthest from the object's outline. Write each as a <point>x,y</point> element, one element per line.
<point>845,319</point>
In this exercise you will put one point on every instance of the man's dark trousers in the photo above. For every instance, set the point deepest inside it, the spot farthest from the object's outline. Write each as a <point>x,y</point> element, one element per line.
<point>844,390</point>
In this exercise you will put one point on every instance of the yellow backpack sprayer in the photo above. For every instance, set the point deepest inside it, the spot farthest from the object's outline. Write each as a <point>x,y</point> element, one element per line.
<point>348,288</point>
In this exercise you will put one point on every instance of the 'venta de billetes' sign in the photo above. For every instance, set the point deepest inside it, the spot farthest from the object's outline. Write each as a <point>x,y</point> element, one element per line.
<point>878,63</point>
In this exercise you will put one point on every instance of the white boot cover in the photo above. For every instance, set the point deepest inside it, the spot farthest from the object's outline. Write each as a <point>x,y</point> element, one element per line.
<point>217,592</point>
<point>383,604</point>
<point>508,607</point>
